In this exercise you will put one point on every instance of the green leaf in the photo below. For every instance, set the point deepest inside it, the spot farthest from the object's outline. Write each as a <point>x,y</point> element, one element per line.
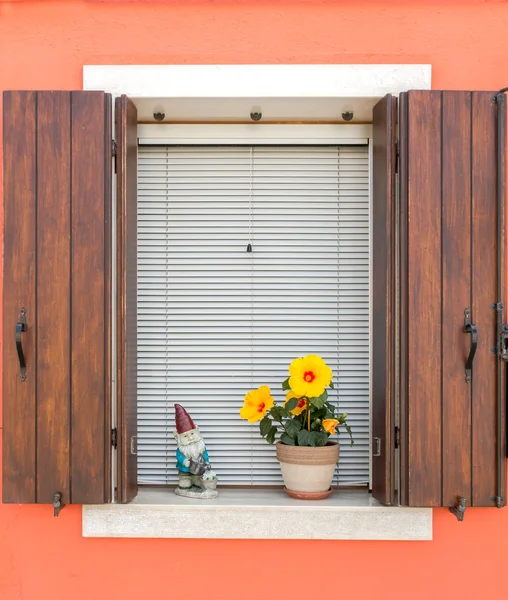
<point>285,413</point>
<point>285,384</point>
<point>270,436</point>
<point>320,401</point>
<point>264,426</point>
<point>321,438</point>
<point>331,385</point>
<point>291,404</point>
<point>287,440</point>
<point>292,427</point>
<point>303,437</point>
<point>312,438</point>
<point>277,412</point>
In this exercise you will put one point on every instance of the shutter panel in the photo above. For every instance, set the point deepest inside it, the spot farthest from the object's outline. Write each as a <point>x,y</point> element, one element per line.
<point>57,192</point>
<point>448,263</point>
<point>126,199</point>
<point>216,320</point>
<point>383,300</point>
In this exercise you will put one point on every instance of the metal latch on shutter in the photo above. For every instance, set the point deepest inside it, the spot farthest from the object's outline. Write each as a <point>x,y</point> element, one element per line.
<point>114,437</point>
<point>134,445</point>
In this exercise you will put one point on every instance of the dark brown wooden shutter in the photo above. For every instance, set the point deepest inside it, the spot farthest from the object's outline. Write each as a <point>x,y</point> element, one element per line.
<point>383,293</point>
<point>57,256</point>
<point>127,169</point>
<point>449,241</point>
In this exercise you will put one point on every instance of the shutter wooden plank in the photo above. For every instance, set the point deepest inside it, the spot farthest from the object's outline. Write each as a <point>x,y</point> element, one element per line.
<point>91,161</point>
<point>403,298</point>
<point>383,291</point>
<point>19,197</point>
<point>53,295</point>
<point>484,188</point>
<point>425,296</point>
<point>456,261</point>
<point>108,298</point>
<point>127,156</point>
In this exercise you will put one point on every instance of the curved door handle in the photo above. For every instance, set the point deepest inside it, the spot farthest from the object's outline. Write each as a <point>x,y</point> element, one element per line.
<point>20,328</point>
<point>473,330</point>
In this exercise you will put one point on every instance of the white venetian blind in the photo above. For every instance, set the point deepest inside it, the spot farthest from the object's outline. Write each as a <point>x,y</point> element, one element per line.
<point>215,320</point>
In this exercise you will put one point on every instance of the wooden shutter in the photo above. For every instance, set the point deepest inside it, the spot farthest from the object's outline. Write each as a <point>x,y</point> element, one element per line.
<point>57,212</point>
<point>126,198</point>
<point>450,229</point>
<point>383,305</point>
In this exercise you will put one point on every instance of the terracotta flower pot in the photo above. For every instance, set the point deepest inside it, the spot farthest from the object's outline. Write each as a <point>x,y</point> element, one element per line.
<point>308,471</point>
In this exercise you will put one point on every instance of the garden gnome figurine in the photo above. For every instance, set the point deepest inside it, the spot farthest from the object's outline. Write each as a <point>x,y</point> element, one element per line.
<point>195,477</point>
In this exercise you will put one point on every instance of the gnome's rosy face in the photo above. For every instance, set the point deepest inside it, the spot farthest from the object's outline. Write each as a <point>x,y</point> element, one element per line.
<point>188,437</point>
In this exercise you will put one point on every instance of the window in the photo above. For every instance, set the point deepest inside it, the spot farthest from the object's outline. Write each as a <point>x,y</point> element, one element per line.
<point>215,320</point>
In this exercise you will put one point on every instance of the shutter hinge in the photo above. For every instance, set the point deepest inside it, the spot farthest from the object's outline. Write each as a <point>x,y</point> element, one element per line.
<point>57,503</point>
<point>502,348</point>
<point>397,437</point>
<point>397,155</point>
<point>114,437</point>
<point>113,151</point>
<point>459,508</point>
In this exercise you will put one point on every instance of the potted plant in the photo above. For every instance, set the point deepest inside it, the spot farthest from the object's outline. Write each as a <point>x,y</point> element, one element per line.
<point>305,423</point>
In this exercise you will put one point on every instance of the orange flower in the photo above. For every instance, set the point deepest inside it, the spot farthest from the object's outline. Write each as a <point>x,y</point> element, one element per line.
<point>329,425</point>
<point>300,407</point>
<point>309,376</point>
<point>256,404</point>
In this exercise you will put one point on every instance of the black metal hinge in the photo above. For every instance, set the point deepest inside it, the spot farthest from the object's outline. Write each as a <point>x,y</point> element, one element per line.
<point>397,437</point>
<point>114,437</point>
<point>502,347</point>
<point>114,151</point>
<point>459,508</point>
<point>397,155</point>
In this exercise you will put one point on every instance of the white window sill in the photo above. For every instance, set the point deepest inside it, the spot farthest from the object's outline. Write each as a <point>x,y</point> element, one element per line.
<point>257,514</point>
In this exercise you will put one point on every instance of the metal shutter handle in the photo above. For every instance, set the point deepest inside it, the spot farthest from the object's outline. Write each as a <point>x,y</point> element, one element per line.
<point>472,329</point>
<point>20,328</point>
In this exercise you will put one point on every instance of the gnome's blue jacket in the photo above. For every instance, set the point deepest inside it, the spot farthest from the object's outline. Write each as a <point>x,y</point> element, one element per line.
<point>180,460</point>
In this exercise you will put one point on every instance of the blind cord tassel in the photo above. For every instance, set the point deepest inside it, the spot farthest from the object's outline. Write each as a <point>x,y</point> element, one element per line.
<point>249,247</point>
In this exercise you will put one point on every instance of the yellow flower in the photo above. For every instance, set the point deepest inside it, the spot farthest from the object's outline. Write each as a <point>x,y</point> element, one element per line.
<point>309,376</point>
<point>256,404</point>
<point>329,425</point>
<point>301,406</point>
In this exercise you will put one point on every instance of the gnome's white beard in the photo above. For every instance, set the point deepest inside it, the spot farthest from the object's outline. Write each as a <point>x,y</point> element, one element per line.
<point>192,450</point>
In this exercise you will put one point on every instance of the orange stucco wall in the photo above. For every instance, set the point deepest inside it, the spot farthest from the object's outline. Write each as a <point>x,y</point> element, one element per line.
<point>44,45</point>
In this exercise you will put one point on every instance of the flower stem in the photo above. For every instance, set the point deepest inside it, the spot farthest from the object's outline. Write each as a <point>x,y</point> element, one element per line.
<point>308,419</point>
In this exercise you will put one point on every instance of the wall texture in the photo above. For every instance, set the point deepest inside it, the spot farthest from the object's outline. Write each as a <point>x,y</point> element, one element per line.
<point>44,45</point>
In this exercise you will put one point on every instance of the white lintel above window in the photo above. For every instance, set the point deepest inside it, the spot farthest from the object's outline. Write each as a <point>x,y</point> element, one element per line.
<point>228,93</point>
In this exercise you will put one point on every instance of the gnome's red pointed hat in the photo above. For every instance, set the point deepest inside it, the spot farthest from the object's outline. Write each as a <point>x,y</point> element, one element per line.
<point>183,420</point>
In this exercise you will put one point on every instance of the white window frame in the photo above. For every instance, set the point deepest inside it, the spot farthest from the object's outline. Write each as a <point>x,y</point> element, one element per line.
<point>235,514</point>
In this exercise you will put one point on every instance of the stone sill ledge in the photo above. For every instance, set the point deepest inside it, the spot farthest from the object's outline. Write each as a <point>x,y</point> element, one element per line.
<point>257,514</point>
